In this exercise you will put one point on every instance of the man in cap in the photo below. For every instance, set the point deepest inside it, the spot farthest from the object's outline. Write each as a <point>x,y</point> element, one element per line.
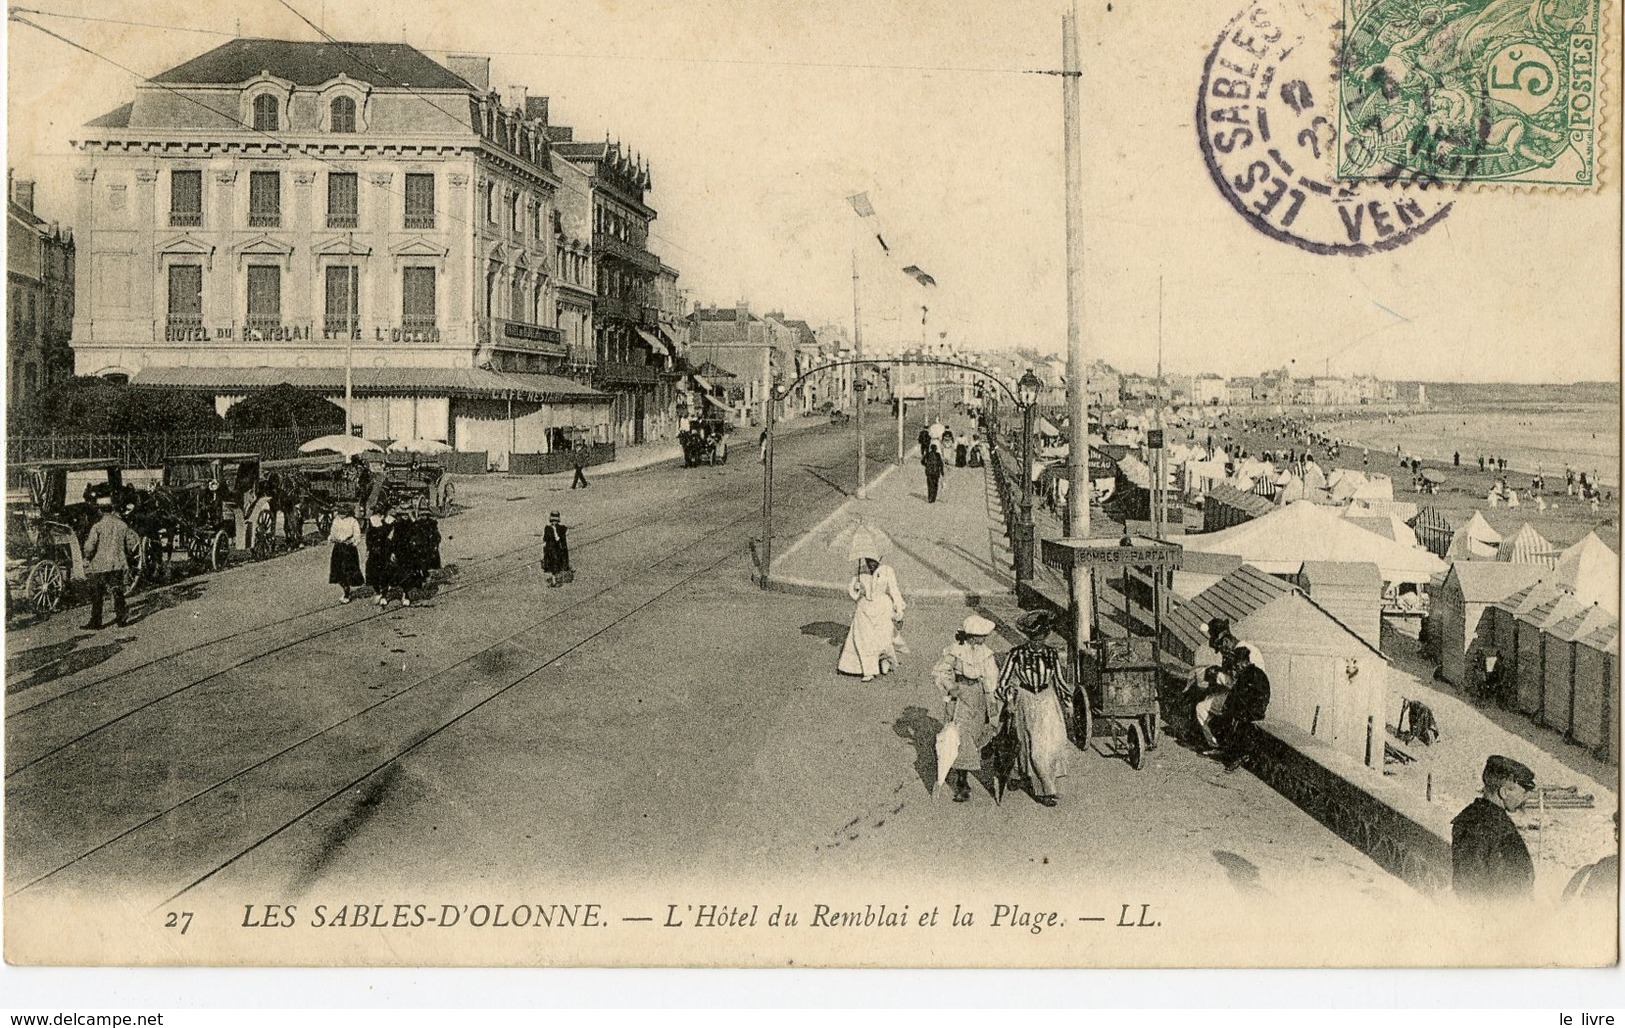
<point>1489,861</point>
<point>108,550</point>
<point>968,676</point>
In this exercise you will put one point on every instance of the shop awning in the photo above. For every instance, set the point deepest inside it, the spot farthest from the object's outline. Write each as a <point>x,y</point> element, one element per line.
<point>713,401</point>
<point>476,383</point>
<point>654,342</point>
<point>702,383</point>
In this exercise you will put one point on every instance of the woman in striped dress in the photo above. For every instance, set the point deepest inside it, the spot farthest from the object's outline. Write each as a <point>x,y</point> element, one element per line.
<point>1030,687</point>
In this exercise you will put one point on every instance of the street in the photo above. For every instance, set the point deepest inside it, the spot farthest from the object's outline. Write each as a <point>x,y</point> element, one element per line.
<point>659,727</point>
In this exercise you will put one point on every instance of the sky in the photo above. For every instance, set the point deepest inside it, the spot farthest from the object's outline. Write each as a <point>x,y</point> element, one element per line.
<point>759,117</point>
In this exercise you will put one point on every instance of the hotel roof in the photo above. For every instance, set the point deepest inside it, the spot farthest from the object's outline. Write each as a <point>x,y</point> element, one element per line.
<point>314,63</point>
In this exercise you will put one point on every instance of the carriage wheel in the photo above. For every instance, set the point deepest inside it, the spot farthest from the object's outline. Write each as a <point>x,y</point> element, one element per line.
<point>138,569</point>
<point>324,523</point>
<point>219,550</point>
<point>47,586</point>
<point>264,544</point>
<point>1083,719</point>
<point>1136,745</point>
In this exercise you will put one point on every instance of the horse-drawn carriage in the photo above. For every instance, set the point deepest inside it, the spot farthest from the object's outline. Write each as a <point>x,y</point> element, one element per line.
<point>418,483</point>
<point>202,508</point>
<point>314,487</point>
<point>45,532</point>
<point>704,442</point>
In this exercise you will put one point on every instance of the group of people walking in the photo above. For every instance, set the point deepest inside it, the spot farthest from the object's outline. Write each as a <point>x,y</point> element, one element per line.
<point>1010,712</point>
<point>938,448</point>
<point>401,553</point>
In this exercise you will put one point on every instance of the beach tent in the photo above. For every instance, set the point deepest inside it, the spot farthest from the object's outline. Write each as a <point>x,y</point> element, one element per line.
<point>1389,526</point>
<point>1457,611</point>
<point>1288,488</point>
<point>1376,487</point>
<point>1344,483</point>
<point>1324,679</point>
<point>1313,477</point>
<point>1527,546</point>
<point>1282,540</point>
<point>1475,540</point>
<point>1590,570</point>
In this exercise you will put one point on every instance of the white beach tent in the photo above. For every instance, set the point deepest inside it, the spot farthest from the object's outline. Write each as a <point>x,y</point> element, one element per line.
<point>1527,546</point>
<point>1590,570</point>
<point>1280,542</point>
<point>1475,540</point>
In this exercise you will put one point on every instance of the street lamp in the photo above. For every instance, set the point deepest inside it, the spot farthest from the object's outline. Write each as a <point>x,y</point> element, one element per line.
<point>775,394</point>
<point>1027,390</point>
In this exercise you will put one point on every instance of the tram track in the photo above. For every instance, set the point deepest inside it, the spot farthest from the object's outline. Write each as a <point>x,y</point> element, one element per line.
<point>385,714</point>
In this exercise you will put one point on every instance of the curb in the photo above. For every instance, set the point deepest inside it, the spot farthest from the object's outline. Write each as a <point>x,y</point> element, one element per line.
<point>916,597</point>
<point>837,512</point>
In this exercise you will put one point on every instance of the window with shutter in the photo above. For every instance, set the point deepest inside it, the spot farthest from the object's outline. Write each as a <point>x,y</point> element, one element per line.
<point>343,306</point>
<point>186,198</point>
<point>341,115</point>
<point>264,296</point>
<point>265,199</point>
<point>186,295</point>
<point>419,201</point>
<point>265,113</point>
<point>417,298</point>
<point>342,199</point>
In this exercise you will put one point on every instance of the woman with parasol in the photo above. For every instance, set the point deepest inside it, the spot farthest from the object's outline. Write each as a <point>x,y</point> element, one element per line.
<point>869,649</point>
<point>1030,690</point>
<point>968,675</point>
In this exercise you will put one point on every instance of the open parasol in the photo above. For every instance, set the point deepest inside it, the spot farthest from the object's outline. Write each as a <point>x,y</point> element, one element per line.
<point>420,446</point>
<point>1436,477</point>
<point>348,445</point>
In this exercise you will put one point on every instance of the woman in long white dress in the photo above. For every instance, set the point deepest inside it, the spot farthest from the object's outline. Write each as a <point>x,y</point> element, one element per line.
<point>868,650</point>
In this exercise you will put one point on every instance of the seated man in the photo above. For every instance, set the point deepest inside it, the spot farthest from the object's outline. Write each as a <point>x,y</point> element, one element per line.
<point>1248,700</point>
<point>1209,705</point>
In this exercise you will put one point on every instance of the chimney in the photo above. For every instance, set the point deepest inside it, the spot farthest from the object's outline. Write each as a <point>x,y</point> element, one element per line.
<point>536,108</point>
<point>22,194</point>
<point>472,67</point>
<point>515,98</point>
<point>742,312</point>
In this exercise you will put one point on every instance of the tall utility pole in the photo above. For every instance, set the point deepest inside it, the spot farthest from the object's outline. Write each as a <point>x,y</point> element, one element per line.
<point>859,385</point>
<point>1077,364</point>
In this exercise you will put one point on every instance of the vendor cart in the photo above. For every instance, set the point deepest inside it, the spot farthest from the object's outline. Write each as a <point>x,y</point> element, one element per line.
<point>1119,673</point>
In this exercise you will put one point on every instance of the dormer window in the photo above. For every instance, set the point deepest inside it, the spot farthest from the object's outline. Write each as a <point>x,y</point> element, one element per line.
<point>341,114</point>
<point>265,113</point>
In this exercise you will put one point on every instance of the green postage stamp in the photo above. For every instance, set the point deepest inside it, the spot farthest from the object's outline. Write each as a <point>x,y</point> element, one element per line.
<point>1481,91</point>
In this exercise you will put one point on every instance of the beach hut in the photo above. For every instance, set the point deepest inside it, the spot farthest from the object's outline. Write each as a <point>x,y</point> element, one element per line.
<point>1590,570</point>
<point>1324,679</point>
<point>1596,715</point>
<point>1434,530</point>
<point>1350,592</point>
<point>1561,706</point>
<point>1227,506</point>
<point>1457,612</point>
<point>1475,540</point>
<point>1524,618</point>
<point>1279,542</point>
<point>1527,546</point>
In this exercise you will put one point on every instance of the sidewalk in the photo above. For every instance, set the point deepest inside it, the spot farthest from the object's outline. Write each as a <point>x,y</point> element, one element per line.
<point>954,551</point>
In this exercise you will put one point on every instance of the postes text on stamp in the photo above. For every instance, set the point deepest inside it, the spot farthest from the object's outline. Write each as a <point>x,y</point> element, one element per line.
<point>1495,91</point>
<point>1268,130</point>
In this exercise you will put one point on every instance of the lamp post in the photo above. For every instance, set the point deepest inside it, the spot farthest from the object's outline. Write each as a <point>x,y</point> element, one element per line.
<point>1027,391</point>
<point>767,488</point>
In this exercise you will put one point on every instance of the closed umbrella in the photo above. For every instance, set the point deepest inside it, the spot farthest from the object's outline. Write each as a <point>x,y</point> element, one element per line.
<point>348,445</point>
<point>947,750</point>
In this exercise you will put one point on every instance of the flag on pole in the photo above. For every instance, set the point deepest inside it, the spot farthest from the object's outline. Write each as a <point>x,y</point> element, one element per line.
<point>860,203</point>
<point>917,275</point>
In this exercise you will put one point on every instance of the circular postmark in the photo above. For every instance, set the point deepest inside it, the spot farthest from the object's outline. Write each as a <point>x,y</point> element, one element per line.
<point>1468,92</point>
<point>1267,125</point>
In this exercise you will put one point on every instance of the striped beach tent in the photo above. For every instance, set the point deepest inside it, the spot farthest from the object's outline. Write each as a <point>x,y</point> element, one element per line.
<point>1527,546</point>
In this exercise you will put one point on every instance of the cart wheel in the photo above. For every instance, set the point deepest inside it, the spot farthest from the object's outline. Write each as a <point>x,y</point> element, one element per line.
<point>1150,732</point>
<point>219,551</point>
<point>1136,745</point>
<point>1083,720</point>
<point>264,542</point>
<point>47,586</point>
<point>139,569</point>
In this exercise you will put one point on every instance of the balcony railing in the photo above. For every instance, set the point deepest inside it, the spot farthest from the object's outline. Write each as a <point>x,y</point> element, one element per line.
<point>613,373</point>
<point>341,221</point>
<point>528,338</point>
<point>624,309</point>
<point>265,219</point>
<point>420,220</point>
<point>185,219</point>
<point>618,247</point>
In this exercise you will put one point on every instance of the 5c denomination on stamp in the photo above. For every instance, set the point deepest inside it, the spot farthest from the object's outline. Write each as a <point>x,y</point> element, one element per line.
<point>1268,131</point>
<point>1499,91</point>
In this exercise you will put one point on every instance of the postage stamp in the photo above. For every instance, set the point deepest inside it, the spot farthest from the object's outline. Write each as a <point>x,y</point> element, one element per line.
<point>1483,91</point>
<point>1268,131</point>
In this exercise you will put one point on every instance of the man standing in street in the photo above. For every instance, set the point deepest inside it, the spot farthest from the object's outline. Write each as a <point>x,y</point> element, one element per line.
<point>1488,858</point>
<point>579,456</point>
<point>108,550</point>
<point>933,472</point>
